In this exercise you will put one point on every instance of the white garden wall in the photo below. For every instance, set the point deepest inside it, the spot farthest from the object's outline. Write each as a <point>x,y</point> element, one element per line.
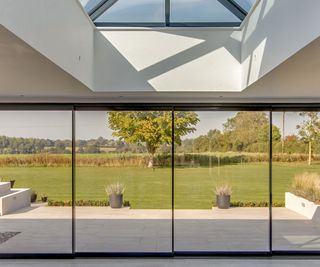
<point>302,206</point>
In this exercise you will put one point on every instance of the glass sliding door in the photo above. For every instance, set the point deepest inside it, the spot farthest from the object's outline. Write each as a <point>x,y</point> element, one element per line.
<point>123,181</point>
<point>221,181</point>
<point>36,182</point>
<point>296,181</point>
<point>130,199</point>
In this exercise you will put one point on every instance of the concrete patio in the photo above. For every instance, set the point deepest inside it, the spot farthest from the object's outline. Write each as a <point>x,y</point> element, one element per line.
<point>102,229</point>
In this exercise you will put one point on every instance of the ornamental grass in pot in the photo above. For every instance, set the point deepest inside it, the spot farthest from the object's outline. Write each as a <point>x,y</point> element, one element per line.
<point>223,196</point>
<point>115,193</point>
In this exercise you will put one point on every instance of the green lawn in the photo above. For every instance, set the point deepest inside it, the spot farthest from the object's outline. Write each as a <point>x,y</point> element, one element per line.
<point>147,188</point>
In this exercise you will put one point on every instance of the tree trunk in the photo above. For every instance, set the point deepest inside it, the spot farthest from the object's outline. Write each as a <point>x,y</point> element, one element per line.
<point>310,153</point>
<point>150,163</point>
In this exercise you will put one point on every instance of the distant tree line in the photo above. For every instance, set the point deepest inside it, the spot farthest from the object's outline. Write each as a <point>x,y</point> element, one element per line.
<point>249,132</point>
<point>102,145</point>
<point>19,145</point>
<point>245,132</point>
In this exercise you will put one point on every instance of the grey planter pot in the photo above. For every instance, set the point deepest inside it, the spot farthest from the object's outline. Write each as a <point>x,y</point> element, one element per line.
<point>223,202</point>
<point>33,197</point>
<point>115,201</point>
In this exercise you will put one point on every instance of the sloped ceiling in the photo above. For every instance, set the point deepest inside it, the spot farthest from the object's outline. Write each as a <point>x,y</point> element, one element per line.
<point>27,76</point>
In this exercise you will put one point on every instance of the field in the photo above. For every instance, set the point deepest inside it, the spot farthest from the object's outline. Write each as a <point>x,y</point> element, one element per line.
<point>148,188</point>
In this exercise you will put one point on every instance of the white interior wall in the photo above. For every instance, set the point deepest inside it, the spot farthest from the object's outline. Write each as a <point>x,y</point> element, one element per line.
<point>58,29</point>
<point>275,31</point>
<point>297,78</point>
<point>24,72</point>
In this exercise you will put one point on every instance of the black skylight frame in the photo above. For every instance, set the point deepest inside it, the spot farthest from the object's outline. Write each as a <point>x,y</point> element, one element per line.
<point>231,5</point>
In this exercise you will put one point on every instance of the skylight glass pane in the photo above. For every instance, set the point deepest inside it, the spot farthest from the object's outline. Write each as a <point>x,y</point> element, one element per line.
<point>88,5</point>
<point>134,11</point>
<point>201,11</point>
<point>246,4</point>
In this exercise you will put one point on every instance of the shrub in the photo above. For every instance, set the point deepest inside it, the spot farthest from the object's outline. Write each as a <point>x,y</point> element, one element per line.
<point>251,204</point>
<point>56,203</point>
<point>278,204</point>
<point>92,203</point>
<point>126,203</point>
<point>307,185</point>
<point>84,203</point>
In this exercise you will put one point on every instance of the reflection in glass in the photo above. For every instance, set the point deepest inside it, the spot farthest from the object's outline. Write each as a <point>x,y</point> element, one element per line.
<point>36,182</point>
<point>200,11</point>
<point>221,183</point>
<point>245,4</point>
<point>89,5</point>
<point>123,181</point>
<point>134,11</point>
<point>296,180</point>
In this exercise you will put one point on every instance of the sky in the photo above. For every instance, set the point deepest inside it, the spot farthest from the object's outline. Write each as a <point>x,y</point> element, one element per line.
<point>93,124</point>
<point>154,11</point>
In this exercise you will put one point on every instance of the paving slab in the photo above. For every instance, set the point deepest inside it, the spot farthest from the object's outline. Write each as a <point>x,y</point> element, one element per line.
<point>102,229</point>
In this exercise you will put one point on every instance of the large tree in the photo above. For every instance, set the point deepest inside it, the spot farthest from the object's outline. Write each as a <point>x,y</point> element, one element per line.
<point>211,142</point>
<point>151,128</point>
<point>264,133</point>
<point>244,129</point>
<point>309,130</point>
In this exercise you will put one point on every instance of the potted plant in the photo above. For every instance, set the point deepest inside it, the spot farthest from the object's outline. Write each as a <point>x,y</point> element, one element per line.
<point>115,194</point>
<point>12,183</point>
<point>44,198</point>
<point>223,196</point>
<point>33,196</point>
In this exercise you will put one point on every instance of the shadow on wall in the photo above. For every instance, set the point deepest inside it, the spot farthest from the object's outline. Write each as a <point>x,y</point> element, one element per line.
<point>202,60</point>
<point>253,56</point>
<point>162,61</point>
<point>298,76</point>
<point>276,31</point>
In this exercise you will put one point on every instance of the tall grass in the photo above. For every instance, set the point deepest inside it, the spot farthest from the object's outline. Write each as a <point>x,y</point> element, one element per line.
<point>121,161</point>
<point>36,160</point>
<point>307,185</point>
<point>141,160</point>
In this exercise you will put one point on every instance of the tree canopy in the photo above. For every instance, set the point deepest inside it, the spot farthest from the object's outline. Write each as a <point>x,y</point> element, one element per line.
<point>244,127</point>
<point>245,132</point>
<point>152,128</point>
<point>309,130</point>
